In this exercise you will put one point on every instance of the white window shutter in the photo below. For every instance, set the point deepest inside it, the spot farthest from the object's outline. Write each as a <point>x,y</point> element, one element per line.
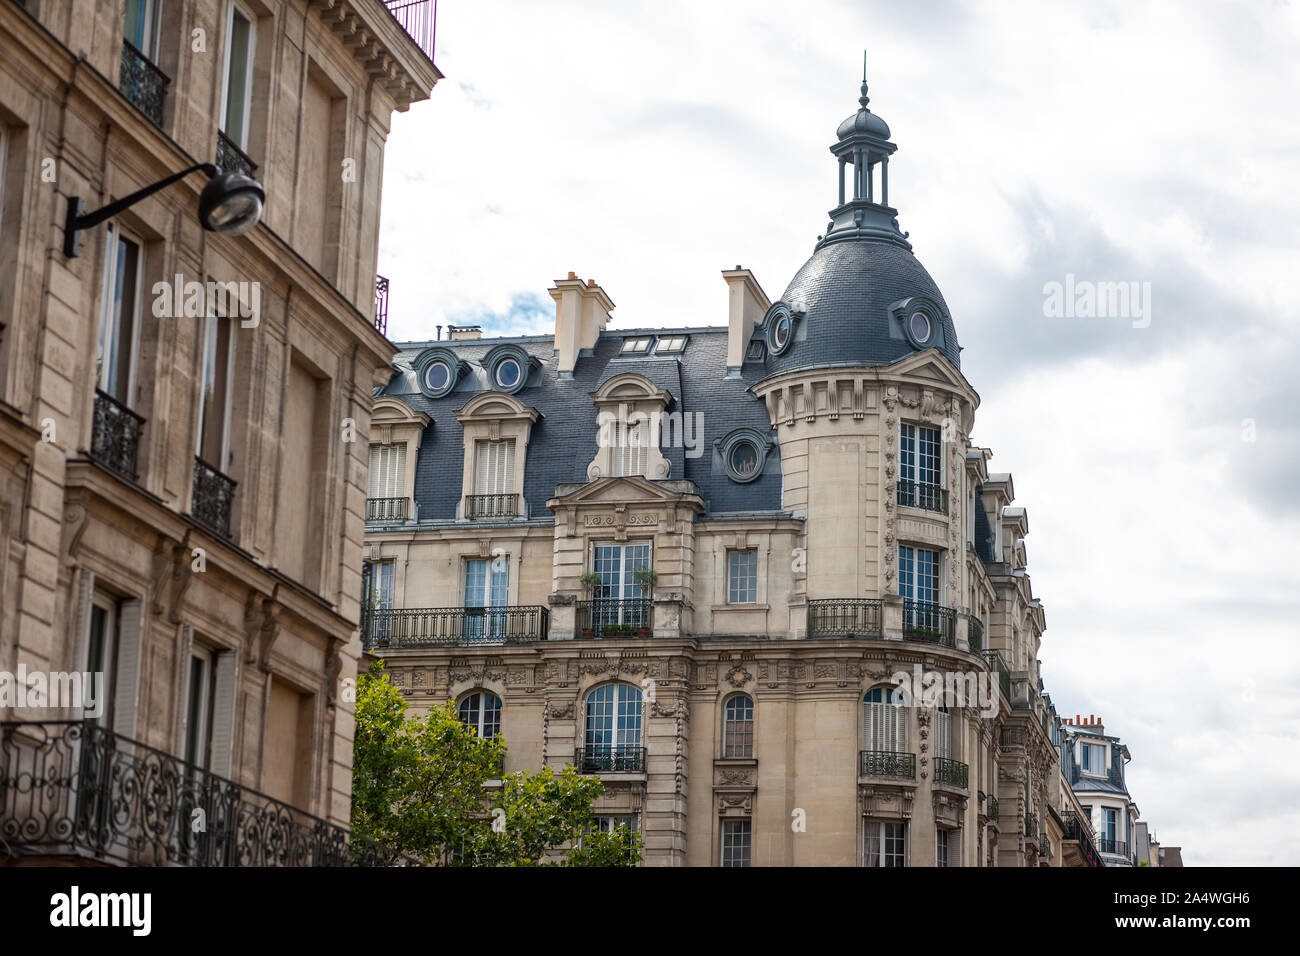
<point>223,713</point>
<point>126,703</point>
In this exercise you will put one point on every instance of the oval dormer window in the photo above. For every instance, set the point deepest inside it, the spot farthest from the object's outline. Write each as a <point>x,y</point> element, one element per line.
<point>744,459</point>
<point>437,376</point>
<point>508,373</point>
<point>781,333</point>
<point>920,327</point>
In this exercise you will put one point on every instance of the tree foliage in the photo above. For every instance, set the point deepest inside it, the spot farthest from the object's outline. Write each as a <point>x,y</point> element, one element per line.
<point>419,786</point>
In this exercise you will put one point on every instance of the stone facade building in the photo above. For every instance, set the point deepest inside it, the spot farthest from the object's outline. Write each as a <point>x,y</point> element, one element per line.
<point>184,477</point>
<point>693,560</point>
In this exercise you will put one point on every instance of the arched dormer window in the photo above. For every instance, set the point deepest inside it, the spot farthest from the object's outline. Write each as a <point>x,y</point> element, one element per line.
<point>395,433</point>
<point>497,428</point>
<point>631,414</point>
<point>611,739</point>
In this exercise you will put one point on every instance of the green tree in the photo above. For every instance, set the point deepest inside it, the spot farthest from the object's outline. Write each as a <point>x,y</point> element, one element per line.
<point>418,786</point>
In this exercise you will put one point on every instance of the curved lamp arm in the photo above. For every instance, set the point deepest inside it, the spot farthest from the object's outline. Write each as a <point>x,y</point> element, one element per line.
<point>77,220</point>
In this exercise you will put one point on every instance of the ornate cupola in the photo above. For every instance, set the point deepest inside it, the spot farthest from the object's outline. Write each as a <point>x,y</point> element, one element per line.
<point>863,149</point>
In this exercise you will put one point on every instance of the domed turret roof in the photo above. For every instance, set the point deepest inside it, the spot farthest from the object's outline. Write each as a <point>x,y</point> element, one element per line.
<point>857,299</point>
<point>862,298</point>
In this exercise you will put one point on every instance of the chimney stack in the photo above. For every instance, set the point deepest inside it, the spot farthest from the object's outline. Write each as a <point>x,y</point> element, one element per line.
<point>747,303</point>
<point>459,332</point>
<point>581,313</point>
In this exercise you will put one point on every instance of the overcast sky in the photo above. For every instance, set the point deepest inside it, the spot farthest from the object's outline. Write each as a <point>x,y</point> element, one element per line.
<point>651,145</point>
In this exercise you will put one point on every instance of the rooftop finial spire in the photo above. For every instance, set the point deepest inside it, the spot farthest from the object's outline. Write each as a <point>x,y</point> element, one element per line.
<point>864,99</point>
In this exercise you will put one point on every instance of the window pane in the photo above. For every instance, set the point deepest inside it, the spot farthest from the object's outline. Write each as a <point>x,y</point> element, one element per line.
<point>742,577</point>
<point>237,79</point>
<point>735,842</point>
<point>738,728</point>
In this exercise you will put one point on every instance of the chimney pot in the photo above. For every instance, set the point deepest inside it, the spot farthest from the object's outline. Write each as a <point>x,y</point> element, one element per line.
<point>591,283</point>
<point>573,275</point>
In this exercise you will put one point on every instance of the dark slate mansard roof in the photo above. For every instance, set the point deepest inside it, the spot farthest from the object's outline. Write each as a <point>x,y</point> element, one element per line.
<point>564,438</point>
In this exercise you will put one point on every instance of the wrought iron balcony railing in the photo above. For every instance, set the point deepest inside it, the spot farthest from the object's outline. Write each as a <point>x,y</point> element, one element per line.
<point>1076,830</point>
<point>934,623</point>
<point>452,626</point>
<point>609,759</point>
<point>386,509</point>
<point>1113,847</point>
<point>232,159</point>
<point>381,304</point>
<point>991,807</point>
<point>952,772</point>
<point>492,506</point>
<point>419,18</point>
<point>1031,828</point>
<point>915,494</point>
<point>142,83</point>
<point>115,438</point>
<point>214,495</point>
<point>886,763</point>
<point>629,617</point>
<point>1004,673</point>
<point>73,788</point>
<point>975,634</point>
<point>846,617</point>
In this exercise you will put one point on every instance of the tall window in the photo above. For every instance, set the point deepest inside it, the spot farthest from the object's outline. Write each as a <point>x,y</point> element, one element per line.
<point>198,710</point>
<point>884,721</point>
<point>486,583</point>
<point>918,455</point>
<point>612,734</point>
<point>945,845</point>
<point>1109,821</point>
<point>482,711</point>
<point>630,454</point>
<point>141,26</point>
<point>918,574</point>
<point>215,391</point>
<point>884,844</point>
<point>738,727</point>
<point>736,837</point>
<point>237,90</point>
<point>742,577</point>
<point>119,321</point>
<point>377,583</point>
<point>620,599</point>
<point>494,467</point>
<point>1092,756</point>
<point>101,654</point>
<point>387,477</point>
<point>943,732</point>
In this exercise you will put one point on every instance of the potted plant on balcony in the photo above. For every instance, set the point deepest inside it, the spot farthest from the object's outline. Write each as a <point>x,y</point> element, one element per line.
<point>589,580</point>
<point>646,579</point>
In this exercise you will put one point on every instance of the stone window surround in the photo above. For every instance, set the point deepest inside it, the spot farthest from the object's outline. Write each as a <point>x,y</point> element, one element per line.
<point>495,416</point>
<point>393,422</point>
<point>621,398</point>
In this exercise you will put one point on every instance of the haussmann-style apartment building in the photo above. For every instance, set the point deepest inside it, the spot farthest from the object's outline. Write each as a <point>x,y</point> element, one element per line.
<point>183,494</point>
<point>693,559</point>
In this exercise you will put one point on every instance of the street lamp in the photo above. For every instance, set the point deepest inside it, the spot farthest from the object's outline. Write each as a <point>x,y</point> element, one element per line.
<point>231,203</point>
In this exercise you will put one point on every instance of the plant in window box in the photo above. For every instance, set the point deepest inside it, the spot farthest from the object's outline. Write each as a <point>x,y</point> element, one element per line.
<point>921,633</point>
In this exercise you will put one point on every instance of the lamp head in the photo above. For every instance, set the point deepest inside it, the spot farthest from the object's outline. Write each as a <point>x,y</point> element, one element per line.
<point>231,203</point>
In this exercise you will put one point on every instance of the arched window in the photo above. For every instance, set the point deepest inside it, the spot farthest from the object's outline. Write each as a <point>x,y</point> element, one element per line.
<point>738,727</point>
<point>612,733</point>
<point>482,711</point>
<point>884,721</point>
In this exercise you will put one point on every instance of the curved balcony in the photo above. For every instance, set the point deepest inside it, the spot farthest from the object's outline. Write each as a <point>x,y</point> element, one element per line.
<point>931,623</point>
<point>952,772</point>
<point>214,496</point>
<point>142,83</point>
<point>886,763</point>
<point>846,617</point>
<point>975,635</point>
<point>115,438</point>
<point>925,497</point>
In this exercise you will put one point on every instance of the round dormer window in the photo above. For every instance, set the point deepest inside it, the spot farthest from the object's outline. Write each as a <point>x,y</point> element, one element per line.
<point>781,333</point>
<point>744,459</point>
<point>508,373</point>
<point>920,327</point>
<point>437,376</point>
